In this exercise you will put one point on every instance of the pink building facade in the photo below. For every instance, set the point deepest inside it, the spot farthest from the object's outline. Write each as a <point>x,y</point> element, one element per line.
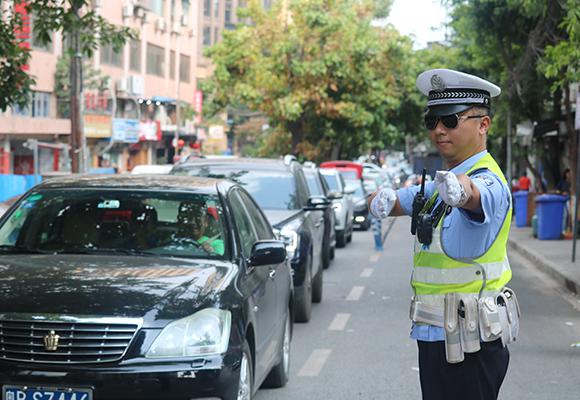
<point>129,98</point>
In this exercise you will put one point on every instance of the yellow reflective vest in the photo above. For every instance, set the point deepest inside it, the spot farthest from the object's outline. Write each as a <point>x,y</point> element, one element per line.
<point>435,273</point>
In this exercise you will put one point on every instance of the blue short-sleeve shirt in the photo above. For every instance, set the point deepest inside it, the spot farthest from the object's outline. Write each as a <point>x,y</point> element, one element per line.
<point>464,234</point>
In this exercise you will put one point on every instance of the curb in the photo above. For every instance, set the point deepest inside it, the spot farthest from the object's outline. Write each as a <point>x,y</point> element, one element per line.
<point>544,265</point>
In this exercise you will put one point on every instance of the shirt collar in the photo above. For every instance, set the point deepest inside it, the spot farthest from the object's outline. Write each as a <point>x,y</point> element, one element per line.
<point>467,164</point>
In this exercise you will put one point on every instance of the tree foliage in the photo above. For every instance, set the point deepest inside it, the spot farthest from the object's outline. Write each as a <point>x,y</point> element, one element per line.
<point>50,16</point>
<point>319,71</point>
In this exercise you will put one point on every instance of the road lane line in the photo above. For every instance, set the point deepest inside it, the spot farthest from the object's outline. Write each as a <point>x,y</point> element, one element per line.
<point>367,272</point>
<point>339,322</point>
<point>315,362</point>
<point>374,258</point>
<point>355,293</point>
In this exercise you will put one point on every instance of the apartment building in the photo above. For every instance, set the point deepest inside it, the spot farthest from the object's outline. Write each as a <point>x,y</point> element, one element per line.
<point>130,114</point>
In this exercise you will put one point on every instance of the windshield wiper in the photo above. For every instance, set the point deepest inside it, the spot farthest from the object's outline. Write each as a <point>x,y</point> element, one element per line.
<point>129,252</point>
<point>20,250</point>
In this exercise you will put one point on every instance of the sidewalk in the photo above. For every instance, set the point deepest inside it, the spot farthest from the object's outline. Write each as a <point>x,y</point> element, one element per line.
<point>551,256</point>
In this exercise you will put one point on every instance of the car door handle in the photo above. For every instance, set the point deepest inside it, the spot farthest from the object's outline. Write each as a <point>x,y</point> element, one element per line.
<point>272,273</point>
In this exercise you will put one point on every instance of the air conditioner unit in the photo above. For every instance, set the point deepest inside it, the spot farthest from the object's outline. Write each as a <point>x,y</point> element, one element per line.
<point>122,85</point>
<point>136,85</point>
<point>160,25</point>
<point>127,10</point>
<point>184,20</point>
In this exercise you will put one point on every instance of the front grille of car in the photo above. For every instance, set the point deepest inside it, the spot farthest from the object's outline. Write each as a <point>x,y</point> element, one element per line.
<point>78,342</point>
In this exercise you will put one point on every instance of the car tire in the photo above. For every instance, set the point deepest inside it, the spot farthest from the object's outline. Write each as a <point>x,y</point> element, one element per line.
<point>317,286</point>
<point>246,377</point>
<point>349,237</point>
<point>332,252</point>
<point>279,374</point>
<point>303,298</point>
<point>341,238</point>
<point>326,254</point>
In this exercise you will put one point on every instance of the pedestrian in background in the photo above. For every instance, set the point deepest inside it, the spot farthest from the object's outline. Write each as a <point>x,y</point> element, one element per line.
<point>460,261</point>
<point>524,182</point>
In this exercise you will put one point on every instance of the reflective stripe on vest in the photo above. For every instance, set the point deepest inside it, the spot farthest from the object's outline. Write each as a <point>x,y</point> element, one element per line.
<point>436,273</point>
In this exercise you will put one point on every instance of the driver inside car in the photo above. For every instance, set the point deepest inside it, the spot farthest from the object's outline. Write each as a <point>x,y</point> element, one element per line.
<point>194,224</point>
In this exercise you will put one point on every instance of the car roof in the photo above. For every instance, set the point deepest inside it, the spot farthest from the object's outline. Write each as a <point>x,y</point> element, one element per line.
<point>138,182</point>
<point>239,163</point>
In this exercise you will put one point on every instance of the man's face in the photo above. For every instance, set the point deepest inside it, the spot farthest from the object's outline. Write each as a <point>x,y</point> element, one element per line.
<point>467,138</point>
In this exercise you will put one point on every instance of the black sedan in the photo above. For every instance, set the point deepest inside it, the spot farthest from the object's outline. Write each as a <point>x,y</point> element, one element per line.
<point>141,288</point>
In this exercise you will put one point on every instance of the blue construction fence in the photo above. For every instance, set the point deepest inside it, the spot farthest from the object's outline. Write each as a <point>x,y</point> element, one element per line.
<point>16,185</point>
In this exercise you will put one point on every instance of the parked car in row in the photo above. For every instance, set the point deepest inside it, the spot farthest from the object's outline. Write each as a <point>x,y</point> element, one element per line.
<point>342,206</point>
<point>362,215</point>
<point>318,187</point>
<point>141,287</point>
<point>280,188</point>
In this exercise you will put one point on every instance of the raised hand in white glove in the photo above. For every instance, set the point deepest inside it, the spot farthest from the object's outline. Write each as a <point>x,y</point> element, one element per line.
<point>451,191</point>
<point>383,203</point>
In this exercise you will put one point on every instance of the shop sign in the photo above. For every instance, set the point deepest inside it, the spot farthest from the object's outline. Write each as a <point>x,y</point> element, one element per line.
<point>126,130</point>
<point>150,130</point>
<point>97,126</point>
<point>216,132</point>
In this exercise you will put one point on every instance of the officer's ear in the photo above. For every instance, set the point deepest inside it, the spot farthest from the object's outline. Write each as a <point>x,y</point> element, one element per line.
<point>484,124</point>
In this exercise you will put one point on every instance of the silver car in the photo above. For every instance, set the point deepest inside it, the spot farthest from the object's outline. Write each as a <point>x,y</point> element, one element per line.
<point>343,207</point>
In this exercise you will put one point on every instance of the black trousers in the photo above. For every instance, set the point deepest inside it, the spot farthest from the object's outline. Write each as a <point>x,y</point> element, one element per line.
<point>478,377</point>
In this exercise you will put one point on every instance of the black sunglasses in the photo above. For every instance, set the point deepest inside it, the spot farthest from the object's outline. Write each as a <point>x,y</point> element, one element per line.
<point>450,121</point>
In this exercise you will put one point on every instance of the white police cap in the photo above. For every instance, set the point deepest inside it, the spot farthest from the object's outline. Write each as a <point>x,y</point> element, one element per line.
<point>452,91</point>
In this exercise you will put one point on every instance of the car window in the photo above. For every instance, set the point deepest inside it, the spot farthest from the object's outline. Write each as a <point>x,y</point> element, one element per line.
<point>274,190</point>
<point>301,187</point>
<point>261,224</point>
<point>325,188</point>
<point>245,229</point>
<point>125,222</point>
<point>313,184</point>
<point>332,182</point>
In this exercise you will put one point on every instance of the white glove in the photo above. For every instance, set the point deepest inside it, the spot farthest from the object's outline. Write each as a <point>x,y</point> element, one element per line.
<point>383,203</point>
<point>451,191</point>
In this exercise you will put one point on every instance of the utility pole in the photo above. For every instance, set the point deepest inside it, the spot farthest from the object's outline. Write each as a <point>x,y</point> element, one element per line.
<point>77,138</point>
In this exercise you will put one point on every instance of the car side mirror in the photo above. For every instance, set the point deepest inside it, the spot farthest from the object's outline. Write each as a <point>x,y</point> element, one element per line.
<point>334,195</point>
<point>317,203</point>
<point>349,190</point>
<point>268,252</point>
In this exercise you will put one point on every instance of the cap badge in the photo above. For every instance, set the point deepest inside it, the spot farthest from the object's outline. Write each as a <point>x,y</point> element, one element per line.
<point>437,83</point>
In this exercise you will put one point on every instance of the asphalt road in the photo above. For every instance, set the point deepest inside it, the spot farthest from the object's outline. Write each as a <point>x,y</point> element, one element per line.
<point>357,347</point>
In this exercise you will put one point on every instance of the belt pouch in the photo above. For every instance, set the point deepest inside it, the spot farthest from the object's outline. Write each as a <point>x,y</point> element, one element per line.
<point>489,320</point>
<point>469,325</point>
<point>453,351</point>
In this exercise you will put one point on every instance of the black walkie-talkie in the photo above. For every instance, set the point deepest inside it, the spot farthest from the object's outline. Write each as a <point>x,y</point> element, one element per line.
<point>418,203</point>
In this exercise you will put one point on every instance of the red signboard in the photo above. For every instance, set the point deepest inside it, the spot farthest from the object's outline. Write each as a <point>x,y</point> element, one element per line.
<point>23,33</point>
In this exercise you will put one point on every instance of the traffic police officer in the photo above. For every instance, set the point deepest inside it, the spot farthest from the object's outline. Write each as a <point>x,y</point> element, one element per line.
<point>463,316</point>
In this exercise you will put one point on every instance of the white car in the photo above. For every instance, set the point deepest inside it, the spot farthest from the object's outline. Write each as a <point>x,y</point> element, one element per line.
<point>162,169</point>
<point>343,207</point>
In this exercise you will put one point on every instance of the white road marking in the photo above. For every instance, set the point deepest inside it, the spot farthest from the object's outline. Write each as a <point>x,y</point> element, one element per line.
<point>355,293</point>
<point>375,257</point>
<point>367,272</point>
<point>339,322</point>
<point>315,362</point>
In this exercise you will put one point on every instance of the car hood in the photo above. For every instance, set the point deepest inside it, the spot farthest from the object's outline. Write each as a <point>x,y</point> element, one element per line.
<point>278,218</point>
<point>95,285</point>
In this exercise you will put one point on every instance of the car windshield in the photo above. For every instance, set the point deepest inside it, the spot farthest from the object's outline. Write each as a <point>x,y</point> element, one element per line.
<point>349,174</point>
<point>332,182</point>
<point>120,222</point>
<point>358,188</point>
<point>273,190</point>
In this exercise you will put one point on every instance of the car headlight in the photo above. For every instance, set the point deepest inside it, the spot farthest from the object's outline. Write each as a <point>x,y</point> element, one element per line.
<point>337,207</point>
<point>203,333</point>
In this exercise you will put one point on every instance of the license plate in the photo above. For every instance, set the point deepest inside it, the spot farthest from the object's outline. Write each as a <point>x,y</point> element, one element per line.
<point>45,393</point>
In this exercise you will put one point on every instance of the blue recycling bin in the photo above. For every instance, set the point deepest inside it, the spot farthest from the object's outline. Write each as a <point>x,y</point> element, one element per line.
<point>521,207</point>
<point>550,211</point>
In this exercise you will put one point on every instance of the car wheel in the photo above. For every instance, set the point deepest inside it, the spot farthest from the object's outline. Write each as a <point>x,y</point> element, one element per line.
<point>326,254</point>
<point>332,253</point>
<point>246,379</point>
<point>341,238</point>
<point>278,376</point>
<point>317,287</point>
<point>349,237</point>
<point>303,298</point>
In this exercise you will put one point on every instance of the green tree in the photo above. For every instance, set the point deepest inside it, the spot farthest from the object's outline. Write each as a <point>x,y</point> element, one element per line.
<point>327,79</point>
<point>14,81</point>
